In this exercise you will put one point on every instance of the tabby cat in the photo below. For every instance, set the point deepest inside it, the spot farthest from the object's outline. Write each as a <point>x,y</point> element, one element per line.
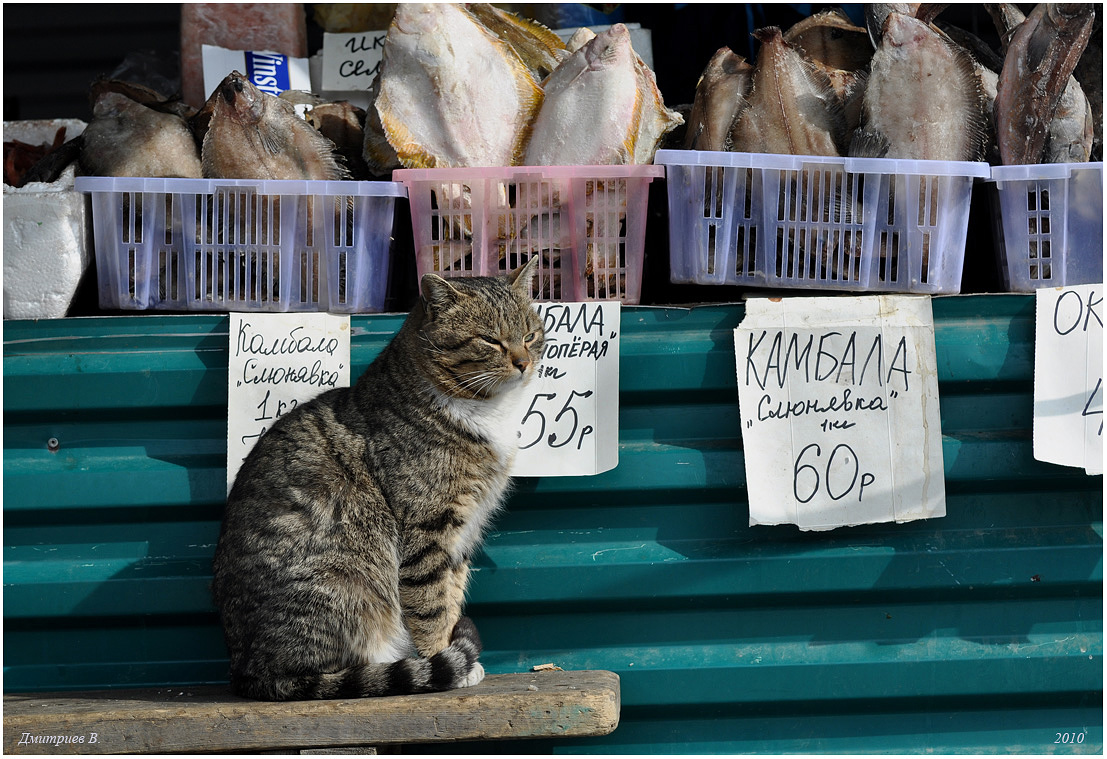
<point>344,554</point>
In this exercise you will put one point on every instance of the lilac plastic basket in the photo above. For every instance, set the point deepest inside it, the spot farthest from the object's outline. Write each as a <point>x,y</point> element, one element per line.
<point>587,223</point>
<point>1048,222</point>
<point>813,222</point>
<point>241,244</point>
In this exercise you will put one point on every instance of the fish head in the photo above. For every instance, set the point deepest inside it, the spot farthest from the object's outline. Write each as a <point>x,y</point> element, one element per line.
<point>110,104</point>
<point>239,99</point>
<point>418,19</point>
<point>609,48</point>
<point>903,31</point>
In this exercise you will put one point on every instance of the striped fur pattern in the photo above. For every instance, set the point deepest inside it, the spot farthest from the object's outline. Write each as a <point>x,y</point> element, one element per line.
<point>343,559</point>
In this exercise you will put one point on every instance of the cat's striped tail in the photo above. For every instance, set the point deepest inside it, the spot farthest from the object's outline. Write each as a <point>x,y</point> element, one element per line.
<point>455,666</point>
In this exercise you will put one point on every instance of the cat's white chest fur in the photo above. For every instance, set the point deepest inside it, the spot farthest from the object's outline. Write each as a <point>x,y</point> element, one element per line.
<point>497,421</point>
<point>494,419</point>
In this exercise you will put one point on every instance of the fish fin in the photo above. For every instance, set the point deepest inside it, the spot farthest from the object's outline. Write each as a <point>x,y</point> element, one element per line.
<point>531,96</point>
<point>824,91</point>
<point>538,48</point>
<point>868,144</point>
<point>270,142</point>
<point>409,151</point>
<point>632,136</point>
<point>543,34</point>
<point>976,125</point>
<point>378,154</point>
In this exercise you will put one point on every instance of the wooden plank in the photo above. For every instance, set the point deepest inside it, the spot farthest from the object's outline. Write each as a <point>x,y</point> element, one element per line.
<point>181,720</point>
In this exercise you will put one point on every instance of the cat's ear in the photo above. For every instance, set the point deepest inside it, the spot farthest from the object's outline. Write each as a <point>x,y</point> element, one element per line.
<point>522,277</point>
<point>437,293</point>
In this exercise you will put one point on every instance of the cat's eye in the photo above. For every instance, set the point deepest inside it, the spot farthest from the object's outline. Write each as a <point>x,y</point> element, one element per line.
<point>495,343</point>
<point>530,338</point>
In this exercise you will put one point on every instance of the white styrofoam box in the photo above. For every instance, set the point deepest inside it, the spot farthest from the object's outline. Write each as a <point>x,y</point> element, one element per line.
<point>47,234</point>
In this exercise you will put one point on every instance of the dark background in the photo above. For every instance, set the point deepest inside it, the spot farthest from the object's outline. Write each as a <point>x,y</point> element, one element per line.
<point>53,52</point>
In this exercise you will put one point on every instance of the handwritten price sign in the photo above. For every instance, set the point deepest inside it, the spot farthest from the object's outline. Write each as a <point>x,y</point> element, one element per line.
<point>278,361</point>
<point>1068,377</point>
<point>569,420</point>
<point>839,408</point>
<point>352,61</point>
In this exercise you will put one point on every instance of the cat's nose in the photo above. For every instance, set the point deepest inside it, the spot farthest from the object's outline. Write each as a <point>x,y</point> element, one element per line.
<point>521,362</point>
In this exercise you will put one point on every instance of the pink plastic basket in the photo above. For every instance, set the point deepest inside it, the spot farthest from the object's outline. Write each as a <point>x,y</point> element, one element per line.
<point>587,223</point>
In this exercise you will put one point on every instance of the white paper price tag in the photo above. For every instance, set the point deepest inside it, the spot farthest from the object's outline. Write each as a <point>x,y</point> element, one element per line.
<point>569,417</point>
<point>352,61</point>
<point>278,361</point>
<point>839,411</point>
<point>1068,377</point>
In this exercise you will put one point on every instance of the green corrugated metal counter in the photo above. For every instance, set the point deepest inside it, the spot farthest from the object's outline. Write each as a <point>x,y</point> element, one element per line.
<point>980,631</point>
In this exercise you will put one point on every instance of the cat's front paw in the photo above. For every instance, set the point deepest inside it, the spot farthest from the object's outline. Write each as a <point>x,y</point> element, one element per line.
<point>476,674</point>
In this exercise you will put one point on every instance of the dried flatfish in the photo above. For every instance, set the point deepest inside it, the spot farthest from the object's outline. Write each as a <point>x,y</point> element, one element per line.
<point>345,18</point>
<point>451,92</point>
<point>831,39</point>
<point>877,13</point>
<point>1072,128</point>
<point>654,119</point>
<point>380,157</point>
<point>792,107</point>
<point>254,135</point>
<point>720,97</point>
<point>538,47</point>
<point>580,38</point>
<point>127,139</point>
<point>841,50</point>
<point>577,108</point>
<point>923,99</point>
<point>343,123</point>
<point>590,111</point>
<point>1089,73</point>
<point>1041,56</point>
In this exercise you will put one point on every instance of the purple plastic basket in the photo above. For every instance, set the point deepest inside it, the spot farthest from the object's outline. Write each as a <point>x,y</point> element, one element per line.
<point>241,244</point>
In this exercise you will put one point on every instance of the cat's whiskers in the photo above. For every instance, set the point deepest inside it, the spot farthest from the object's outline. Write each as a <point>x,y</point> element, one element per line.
<point>478,382</point>
<point>434,349</point>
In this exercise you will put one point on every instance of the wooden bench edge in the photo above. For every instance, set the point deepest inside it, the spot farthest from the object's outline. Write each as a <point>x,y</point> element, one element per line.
<point>208,718</point>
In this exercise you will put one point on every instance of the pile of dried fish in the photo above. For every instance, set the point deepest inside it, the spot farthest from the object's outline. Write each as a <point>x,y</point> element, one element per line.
<point>469,86</point>
<point>254,135</point>
<point>906,86</point>
<point>241,133</point>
